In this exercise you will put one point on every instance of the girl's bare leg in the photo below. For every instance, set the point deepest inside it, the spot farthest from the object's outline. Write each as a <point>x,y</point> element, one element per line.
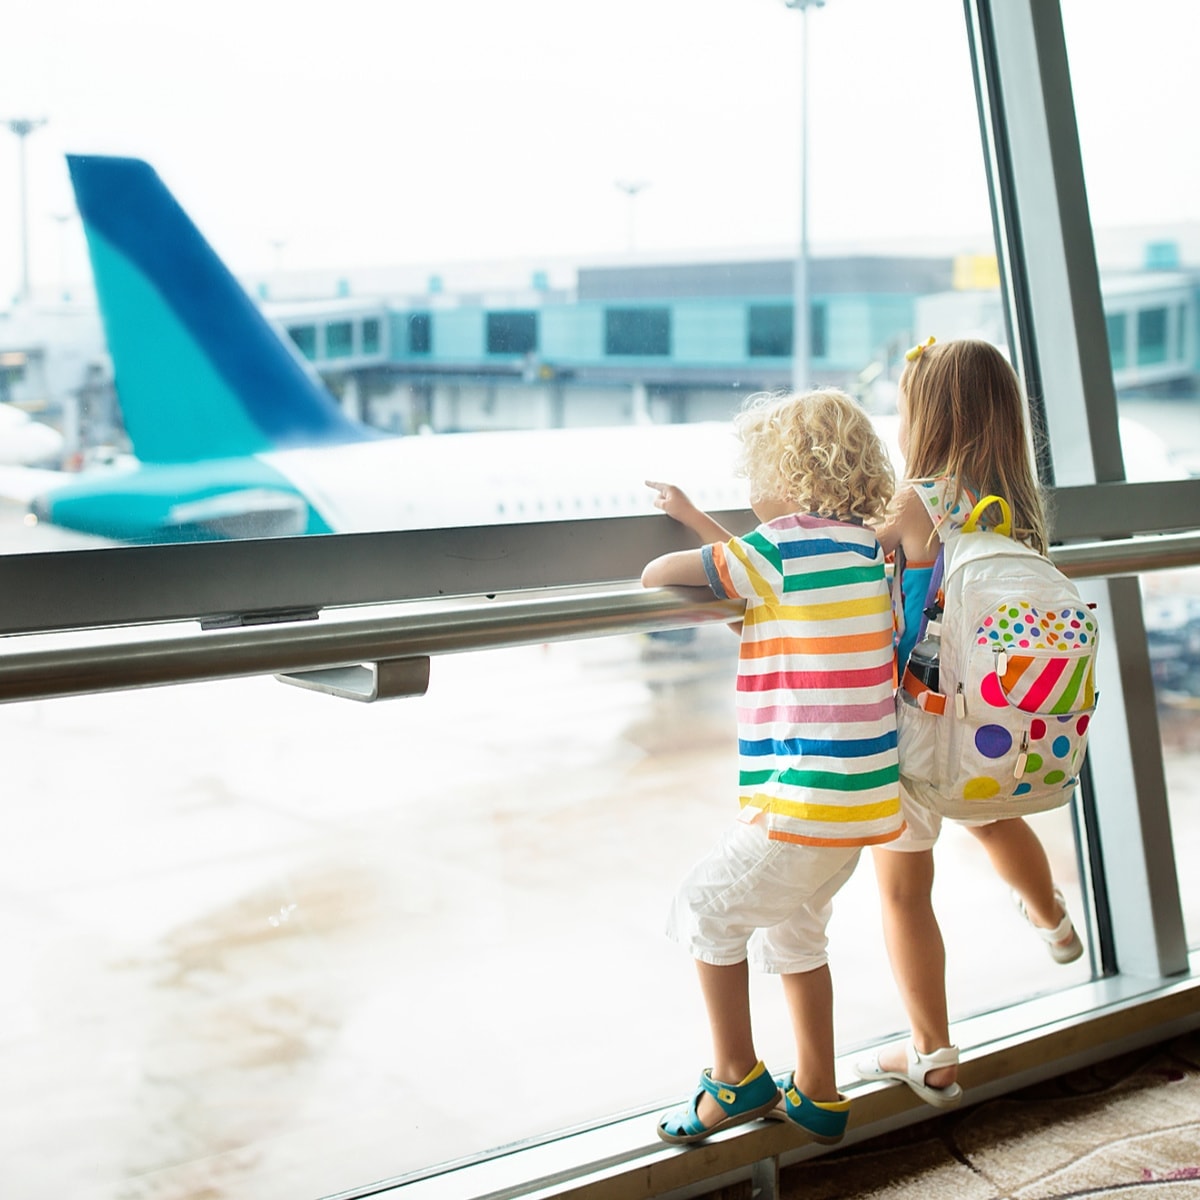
<point>917,954</point>
<point>1019,858</point>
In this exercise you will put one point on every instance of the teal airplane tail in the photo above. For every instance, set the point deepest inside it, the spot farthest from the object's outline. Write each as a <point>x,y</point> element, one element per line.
<point>200,373</point>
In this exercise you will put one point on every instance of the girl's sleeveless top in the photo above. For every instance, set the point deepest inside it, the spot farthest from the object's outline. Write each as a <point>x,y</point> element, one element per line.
<point>911,589</point>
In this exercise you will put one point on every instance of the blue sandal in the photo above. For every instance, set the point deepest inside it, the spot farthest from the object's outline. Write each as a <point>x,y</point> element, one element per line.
<point>823,1121</point>
<point>756,1096</point>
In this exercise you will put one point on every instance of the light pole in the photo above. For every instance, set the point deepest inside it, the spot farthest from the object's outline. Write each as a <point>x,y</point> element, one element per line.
<point>61,219</point>
<point>23,127</point>
<point>631,187</point>
<point>801,331</point>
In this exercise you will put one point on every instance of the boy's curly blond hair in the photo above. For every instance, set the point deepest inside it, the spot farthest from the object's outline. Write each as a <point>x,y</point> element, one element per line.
<point>817,450</point>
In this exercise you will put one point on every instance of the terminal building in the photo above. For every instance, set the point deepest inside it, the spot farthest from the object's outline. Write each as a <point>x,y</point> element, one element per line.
<point>684,342</point>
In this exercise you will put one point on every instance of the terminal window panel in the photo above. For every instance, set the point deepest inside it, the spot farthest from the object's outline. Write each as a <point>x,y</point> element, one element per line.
<point>1152,336</point>
<point>770,330</point>
<point>420,340</point>
<point>637,332</point>
<point>370,335</point>
<point>339,339</point>
<point>512,332</point>
<point>305,338</point>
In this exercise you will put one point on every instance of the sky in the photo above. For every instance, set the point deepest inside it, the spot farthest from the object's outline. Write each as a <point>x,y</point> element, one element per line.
<point>386,132</point>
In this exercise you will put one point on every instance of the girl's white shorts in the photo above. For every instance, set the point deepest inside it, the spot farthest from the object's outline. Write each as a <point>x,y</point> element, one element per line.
<point>922,826</point>
<point>766,900</point>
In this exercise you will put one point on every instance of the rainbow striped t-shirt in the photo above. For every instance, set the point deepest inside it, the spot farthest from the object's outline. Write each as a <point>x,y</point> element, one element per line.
<point>816,715</point>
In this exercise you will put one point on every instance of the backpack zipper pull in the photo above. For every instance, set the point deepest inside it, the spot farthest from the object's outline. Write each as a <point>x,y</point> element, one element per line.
<point>1023,756</point>
<point>960,703</point>
<point>1001,662</point>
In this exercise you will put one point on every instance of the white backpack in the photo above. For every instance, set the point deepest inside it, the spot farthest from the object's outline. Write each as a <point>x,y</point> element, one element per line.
<point>1005,732</point>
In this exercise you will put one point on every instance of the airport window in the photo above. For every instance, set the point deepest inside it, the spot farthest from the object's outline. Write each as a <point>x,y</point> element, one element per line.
<point>512,332</point>
<point>637,331</point>
<point>305,337</point>
<point>420,340</point>
<point>1117,324</point>
<point>770,333</point>
<point>1151,336</point>
<point>267,939</point>
<point>370,335</point>
<point>339,339</point>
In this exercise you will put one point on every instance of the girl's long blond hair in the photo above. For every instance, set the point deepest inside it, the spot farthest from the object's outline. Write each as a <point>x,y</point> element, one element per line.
<point>966,419</point>
<point>817,450</point>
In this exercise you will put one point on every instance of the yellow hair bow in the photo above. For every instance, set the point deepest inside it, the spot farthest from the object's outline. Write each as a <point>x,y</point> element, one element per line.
<point>919,349</point>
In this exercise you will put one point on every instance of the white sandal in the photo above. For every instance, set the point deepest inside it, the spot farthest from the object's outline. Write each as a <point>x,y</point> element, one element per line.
<point>919,1066</point>
<point>1068,951</point>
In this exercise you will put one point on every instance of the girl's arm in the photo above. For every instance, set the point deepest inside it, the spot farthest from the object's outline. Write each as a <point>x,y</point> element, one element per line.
<point>675,503</point>
<point>909,526</point>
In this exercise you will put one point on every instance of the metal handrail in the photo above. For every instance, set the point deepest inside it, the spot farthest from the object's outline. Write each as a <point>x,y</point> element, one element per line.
<point>57,665</point>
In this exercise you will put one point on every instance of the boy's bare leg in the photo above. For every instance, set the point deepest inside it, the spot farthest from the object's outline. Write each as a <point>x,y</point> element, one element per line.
<point>917,954</point>
<point>809,998</point>
<point>1019,858</point>
<point>726,993</point>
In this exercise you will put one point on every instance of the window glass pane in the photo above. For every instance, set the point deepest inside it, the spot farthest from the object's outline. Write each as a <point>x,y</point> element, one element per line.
<point>303,953</point>
<point>1171,601</point>
<point>370,336</point>
<point>628,260</point>
<point>1146,240</point>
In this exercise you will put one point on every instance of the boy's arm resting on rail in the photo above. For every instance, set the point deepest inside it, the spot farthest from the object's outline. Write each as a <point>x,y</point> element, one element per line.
<point>683,568</point>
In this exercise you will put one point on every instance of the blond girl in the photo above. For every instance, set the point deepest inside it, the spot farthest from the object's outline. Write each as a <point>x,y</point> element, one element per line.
<point>962,431</point>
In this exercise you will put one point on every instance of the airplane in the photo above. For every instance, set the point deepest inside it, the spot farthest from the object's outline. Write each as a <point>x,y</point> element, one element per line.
<point>232,436</point>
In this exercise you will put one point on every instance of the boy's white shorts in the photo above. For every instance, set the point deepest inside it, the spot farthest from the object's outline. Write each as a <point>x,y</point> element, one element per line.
<point>766,900</point>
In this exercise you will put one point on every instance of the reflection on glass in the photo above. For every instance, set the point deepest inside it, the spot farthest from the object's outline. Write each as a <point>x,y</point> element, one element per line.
<point>1146,241</point>
<point>1171,601</point>
<point>526,294</point>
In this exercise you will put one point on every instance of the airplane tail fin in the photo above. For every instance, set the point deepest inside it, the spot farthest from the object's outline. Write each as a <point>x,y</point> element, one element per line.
<point>199,371</point>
